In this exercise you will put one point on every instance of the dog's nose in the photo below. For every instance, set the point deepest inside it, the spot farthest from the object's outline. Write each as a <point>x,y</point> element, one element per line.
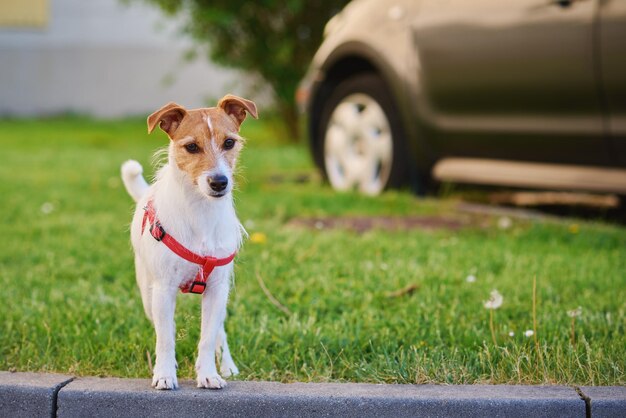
<point>218,183</point>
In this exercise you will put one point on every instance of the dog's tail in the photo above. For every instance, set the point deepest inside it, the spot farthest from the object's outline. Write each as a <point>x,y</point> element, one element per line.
<point>133,180</point>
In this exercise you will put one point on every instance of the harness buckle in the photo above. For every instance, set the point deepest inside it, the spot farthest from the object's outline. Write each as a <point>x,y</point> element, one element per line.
<point>197,287</point>
<point>157,233</point>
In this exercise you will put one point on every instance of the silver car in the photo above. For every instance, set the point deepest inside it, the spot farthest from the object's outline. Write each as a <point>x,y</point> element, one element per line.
<point>527,93</point>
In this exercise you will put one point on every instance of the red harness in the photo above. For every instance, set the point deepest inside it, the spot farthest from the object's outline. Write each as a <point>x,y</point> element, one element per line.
<point>207,264</point>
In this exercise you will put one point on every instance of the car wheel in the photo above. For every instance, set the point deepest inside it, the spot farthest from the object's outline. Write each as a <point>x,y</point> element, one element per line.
<point>362,137</point>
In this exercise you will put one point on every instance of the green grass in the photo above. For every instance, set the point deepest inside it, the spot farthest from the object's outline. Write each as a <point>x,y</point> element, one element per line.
<point>70,303</point>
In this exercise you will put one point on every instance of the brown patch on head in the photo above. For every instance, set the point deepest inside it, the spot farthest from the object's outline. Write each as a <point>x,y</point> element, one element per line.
<point>201,138</point>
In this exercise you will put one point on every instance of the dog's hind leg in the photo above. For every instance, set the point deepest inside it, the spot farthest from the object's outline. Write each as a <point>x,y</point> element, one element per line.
<point>145,286</point>
<point>227,365</point>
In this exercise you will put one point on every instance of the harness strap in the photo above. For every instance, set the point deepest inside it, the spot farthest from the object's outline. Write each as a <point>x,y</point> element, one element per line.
<point>207,263</point>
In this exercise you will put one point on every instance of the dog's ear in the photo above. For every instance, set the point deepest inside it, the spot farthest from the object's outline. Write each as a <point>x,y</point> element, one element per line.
<point>168,117</point>
<point>236,108</point>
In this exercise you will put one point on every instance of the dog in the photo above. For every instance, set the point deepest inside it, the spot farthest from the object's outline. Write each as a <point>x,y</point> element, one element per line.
<point>185,232</point>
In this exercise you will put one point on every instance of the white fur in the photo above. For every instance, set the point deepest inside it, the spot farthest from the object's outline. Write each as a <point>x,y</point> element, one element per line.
<point>133,180</point>
<point>210,126</point>
<point>221,168</point>
<point>204,225</point>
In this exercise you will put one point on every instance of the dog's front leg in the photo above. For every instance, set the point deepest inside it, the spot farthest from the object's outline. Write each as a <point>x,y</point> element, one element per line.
<point>163,307</point>
<point>213,314</point>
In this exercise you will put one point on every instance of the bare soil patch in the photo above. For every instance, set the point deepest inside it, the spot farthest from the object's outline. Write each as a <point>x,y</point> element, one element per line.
<point>362,224</point>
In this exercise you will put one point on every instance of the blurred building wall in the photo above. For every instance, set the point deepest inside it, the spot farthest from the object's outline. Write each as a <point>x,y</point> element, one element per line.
<point>98,57</point>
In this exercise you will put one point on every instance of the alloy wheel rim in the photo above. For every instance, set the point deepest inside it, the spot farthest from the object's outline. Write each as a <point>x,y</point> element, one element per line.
<point>358,145</point>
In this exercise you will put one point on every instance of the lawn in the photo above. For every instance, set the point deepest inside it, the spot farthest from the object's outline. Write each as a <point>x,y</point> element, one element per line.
<point>70,303</point>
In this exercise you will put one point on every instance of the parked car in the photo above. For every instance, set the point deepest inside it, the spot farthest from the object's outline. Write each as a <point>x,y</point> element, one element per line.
<point>521,92</point>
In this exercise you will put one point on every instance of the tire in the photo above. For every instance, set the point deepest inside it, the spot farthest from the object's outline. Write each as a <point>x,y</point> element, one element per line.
<point>361,138</point>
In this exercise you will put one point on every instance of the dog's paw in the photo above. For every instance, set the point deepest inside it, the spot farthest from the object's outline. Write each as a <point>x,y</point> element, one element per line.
<point>211,382</point>
<point>164,382</point>
<point>228,370</point>
<point>164,375</point>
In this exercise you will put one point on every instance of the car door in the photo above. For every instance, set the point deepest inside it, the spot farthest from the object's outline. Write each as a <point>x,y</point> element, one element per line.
<point>510,79</point>
<point>613,72</point>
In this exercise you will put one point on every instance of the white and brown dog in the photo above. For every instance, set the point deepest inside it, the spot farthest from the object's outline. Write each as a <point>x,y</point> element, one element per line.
<point>185,232</point>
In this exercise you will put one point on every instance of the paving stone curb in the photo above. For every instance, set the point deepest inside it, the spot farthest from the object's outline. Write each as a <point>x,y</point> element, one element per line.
<point>606,401</point>
<point>53,395</point>
<point>30,394</point>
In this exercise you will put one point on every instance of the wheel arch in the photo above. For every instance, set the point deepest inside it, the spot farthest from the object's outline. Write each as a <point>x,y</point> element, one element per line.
<point>346,61</point>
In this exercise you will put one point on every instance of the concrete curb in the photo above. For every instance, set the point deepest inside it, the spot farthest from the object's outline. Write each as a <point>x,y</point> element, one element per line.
<point>606,401</point>
<point>30,394</point>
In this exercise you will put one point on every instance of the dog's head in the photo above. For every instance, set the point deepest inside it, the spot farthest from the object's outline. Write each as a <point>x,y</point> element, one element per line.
<point>205,143</point>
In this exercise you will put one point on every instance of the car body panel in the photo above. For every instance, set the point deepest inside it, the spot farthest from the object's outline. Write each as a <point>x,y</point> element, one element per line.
<point>511,78</point>
<point>515,80</point>
<point>612,63</point>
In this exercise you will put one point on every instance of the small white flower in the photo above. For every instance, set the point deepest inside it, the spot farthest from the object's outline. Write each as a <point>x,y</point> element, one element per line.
<point>505,222</point>
<point>47,208</point>
<point>575,312</point>
<point>495,300</point>
<point>470,279</point>
<point>319,225</point>
<point>511,334</point>
<point>529,333</point>
<point>384,266</point>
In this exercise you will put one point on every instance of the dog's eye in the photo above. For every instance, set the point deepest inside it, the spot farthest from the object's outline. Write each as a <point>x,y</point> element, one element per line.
<point>229,143</point>
<point>192,148</point>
